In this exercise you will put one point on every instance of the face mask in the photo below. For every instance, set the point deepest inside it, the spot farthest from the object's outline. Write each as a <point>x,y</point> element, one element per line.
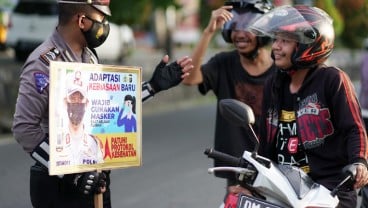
<point>75,112</point>
<point>97,34</point>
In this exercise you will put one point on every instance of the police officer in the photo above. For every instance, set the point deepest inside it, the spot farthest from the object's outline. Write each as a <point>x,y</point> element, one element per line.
<point>76,146</point>
<point>82,26</point>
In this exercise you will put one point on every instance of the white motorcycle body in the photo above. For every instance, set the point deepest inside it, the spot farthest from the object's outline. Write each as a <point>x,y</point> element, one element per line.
<point>276,187</point>
<point>279,189</point>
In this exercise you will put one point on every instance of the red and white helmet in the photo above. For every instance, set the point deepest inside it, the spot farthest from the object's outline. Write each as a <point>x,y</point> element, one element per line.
<point>311,27</point>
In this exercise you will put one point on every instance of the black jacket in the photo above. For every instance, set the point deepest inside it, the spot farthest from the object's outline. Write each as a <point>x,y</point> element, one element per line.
<point>328,118</point>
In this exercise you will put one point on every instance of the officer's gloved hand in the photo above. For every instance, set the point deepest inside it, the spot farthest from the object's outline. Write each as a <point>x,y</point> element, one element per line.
<point>90,182</point>
<point>166,76</point>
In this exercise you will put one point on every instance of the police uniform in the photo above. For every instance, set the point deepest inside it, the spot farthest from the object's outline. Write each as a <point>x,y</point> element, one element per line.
<point>31,120</point>
<point>74,146</point>
<point>31,123</point>
<point>84,149</point>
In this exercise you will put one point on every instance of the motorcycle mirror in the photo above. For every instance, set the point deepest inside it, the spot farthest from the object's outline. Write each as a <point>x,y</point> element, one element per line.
<point>236,112</point>
<point>239,114</point>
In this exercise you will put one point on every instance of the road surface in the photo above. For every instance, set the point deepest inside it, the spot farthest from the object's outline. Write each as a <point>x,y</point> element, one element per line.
<point>173,174</point>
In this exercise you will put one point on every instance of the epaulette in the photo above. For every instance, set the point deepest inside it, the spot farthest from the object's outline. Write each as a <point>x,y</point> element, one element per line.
<point>50,55</point>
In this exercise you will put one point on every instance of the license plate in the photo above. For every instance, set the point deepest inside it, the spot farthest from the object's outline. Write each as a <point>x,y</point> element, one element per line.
<point>249,202</point>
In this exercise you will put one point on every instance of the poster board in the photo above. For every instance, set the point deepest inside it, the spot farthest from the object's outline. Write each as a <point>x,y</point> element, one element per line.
<point>108,135</point>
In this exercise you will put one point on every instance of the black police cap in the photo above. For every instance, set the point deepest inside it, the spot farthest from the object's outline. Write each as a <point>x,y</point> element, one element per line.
<point>100,5</point>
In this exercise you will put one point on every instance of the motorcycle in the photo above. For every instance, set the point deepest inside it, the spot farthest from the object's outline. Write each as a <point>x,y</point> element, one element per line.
<point>272,185</point>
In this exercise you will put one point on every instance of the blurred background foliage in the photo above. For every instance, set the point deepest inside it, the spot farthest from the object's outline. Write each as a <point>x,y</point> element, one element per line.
<point>137,13</point>
<point>350,17</point>
<point>355,15</point>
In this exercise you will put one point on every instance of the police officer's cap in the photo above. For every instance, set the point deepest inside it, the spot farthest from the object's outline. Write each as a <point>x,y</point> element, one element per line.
<point>75,83</point>
<point>100,5</point>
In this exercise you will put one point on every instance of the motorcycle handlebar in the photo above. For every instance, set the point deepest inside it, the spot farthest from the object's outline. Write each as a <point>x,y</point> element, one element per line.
<point>229,159</point>
<point>350,172</point>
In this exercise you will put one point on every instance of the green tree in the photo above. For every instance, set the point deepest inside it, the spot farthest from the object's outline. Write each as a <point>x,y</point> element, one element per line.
<point>330,8</point>
<point>129,12</point>
<point>355,14</point>
<point>7,4</point>
<point>136,13</point>
<point>206,7</point>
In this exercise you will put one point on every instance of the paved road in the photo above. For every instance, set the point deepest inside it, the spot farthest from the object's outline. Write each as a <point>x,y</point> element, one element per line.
<point>174,171</point>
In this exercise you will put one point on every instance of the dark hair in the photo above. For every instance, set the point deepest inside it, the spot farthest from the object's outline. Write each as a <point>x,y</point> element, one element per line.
<point>131,98</point>
<point>67,11</point>
<point>278,81</point>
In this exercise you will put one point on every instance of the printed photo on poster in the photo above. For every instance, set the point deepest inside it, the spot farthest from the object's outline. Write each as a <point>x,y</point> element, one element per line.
<point>76,146</point>
<point>95,119</point>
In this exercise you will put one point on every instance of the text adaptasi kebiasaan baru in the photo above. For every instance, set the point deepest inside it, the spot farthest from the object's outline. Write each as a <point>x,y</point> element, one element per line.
<point>103,110</point>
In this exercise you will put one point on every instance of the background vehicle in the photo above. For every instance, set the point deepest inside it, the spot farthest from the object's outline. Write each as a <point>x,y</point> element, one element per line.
<point>119,44</point>
<point>4,24</point>
<point>33,21</point>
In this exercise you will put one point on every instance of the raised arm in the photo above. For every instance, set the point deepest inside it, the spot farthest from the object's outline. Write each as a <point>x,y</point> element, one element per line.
<point>218,19</point>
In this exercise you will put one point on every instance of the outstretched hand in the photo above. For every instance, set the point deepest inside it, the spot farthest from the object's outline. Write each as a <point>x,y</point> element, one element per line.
<point>167,76</point>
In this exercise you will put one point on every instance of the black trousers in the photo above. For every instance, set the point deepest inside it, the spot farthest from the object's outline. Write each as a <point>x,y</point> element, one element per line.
<point>54,192</point>
<point>348,199</point>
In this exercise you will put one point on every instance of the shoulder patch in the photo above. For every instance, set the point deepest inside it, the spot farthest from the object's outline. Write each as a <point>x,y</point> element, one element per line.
<point>41,81</point>
<point>50,55</point>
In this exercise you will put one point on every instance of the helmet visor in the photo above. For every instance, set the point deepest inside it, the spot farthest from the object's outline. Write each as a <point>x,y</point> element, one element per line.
<point>242,19</point>
<point>285,22</point>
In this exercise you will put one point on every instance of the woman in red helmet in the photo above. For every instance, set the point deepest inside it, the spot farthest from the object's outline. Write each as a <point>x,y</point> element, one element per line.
<point>311,115</point>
